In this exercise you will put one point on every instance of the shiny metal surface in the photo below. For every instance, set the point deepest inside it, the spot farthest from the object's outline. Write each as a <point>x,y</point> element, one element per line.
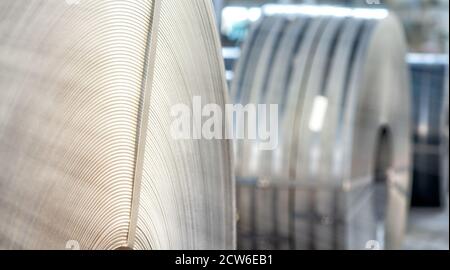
<point>187,198</point>
<point>344,96</point>
<point>85,154</point>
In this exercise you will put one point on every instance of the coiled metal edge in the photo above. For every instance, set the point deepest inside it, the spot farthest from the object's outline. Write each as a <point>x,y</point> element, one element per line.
<point>342,180</point>
<point>86,158</point>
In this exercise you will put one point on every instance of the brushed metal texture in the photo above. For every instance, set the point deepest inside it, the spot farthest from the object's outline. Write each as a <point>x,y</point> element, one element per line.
<point>85,94</point>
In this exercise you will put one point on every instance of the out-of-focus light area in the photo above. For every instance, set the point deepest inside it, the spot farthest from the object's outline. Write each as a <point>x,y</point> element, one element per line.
<point>320,107</point>
<point>325,10</point>
<point>425,21</point>
<point>236,19</point>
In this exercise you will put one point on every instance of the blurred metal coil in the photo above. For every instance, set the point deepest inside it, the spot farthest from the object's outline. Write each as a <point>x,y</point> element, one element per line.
<point>430,94</point>
<point>86,156</point>
<point>340,178</point>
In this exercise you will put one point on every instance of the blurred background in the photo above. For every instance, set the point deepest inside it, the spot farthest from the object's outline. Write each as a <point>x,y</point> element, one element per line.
<point>426,23</point>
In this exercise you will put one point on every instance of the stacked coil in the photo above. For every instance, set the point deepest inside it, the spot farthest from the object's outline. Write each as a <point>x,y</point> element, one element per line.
<point>340,177</point>
<point>430,93</point>
<point>86,155</point>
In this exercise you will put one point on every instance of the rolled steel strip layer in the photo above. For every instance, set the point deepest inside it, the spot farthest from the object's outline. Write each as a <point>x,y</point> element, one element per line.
<point>279,79</point>
<point>242,65</point>
<point>257,94</point>
<point>246,78</point>
<point>276,94</point>
<point>188,187</point>
<point>350,163</point>
<point>430,94</point>
<point>309,201</point>
<point>259,84</point>
<point>86,156</point>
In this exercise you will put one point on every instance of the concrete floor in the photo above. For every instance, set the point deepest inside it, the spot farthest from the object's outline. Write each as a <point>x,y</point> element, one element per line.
<point>428,230</point>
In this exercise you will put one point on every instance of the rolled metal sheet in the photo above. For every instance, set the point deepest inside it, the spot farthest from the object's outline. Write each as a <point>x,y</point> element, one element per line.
<point>86,156</point>
<point>247,69</point>
<point>259,84</point>
<point>430,99</point>
<point>340,177</point>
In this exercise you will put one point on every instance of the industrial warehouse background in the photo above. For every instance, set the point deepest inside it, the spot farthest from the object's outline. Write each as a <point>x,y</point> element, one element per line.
<point>222,125</point>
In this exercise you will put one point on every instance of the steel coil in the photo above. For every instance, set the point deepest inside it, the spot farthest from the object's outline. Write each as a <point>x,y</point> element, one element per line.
<point>86,156</point>
<point>342,168</point>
